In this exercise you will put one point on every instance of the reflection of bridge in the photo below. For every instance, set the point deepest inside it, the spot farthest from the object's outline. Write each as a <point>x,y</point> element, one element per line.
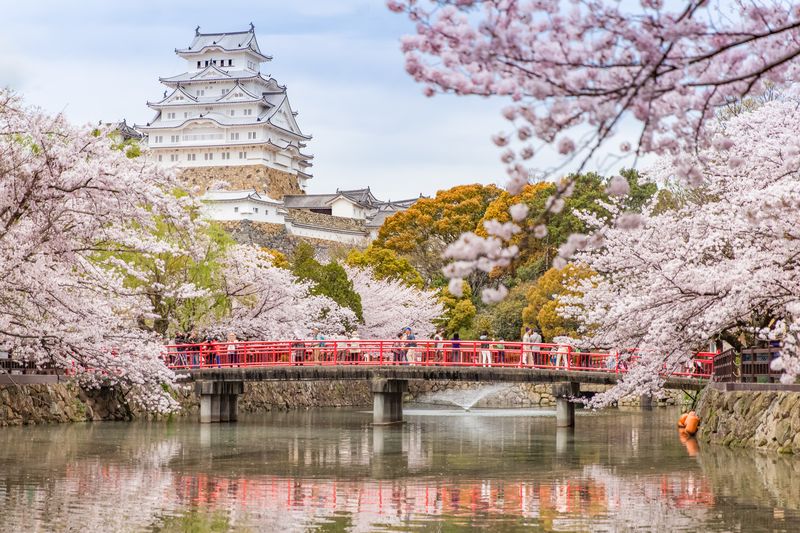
<point>220,369</point>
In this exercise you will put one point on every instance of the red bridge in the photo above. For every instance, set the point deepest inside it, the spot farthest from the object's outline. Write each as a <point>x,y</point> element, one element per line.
<point>220,369</point>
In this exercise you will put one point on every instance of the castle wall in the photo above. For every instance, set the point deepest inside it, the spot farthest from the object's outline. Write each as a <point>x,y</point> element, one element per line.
<point>276,183</point>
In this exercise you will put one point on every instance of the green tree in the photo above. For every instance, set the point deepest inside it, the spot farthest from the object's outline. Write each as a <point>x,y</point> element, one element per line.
<point>329,279</point>
<point>192,257</point>
<point>386,264</point>
<point>641,192</point>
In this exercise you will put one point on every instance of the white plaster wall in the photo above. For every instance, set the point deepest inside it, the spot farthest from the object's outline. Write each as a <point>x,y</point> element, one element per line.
<point>327,235</point>
<point>227,211</point>
<point>346,209</point>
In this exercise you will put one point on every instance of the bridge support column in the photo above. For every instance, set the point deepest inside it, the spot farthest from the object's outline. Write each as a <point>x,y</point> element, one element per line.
<point>387,400</point>
<point>565,409</point>
<point>646,402</point>
<point>219,400</point>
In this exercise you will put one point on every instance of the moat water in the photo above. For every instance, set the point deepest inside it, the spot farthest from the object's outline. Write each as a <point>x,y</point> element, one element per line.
<point>443,470</point>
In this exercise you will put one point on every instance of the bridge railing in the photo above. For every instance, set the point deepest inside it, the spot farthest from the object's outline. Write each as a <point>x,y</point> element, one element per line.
<point>424,352</point>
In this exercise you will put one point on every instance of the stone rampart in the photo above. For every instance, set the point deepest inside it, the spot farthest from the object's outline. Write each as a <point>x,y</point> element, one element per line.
<point>273,236</point>
<point>276,183</point>
<point>762,419</point>
<point>321,220</point>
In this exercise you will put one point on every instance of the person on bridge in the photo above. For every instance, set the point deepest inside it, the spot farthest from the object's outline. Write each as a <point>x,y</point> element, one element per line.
<point>455,345</point>
<point>233,353</point>
<point>355,348</point>
<point>398,350</point>
<point>318,336</point>
<point>562,354</point>
<point>536,348</point>
<point>438,347</point>
<point>486,353</point>
<point>411,355</point>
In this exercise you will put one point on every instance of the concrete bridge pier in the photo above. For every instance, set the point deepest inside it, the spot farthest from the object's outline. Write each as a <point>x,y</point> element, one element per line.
<point>219,400</point>
<point>565,409</point>
<point>387,400</point>
<point>646,402</point>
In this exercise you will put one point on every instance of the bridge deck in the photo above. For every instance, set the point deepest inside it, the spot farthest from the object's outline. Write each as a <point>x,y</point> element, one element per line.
<point>427,372</point>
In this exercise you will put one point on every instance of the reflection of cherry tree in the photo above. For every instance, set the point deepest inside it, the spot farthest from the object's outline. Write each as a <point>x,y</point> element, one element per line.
<point>129,498</point>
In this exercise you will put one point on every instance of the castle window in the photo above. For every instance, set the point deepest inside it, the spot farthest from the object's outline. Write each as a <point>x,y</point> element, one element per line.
<point>233,112</point>
<point>230,62</point>
<point>242,155</point>
<point>186,114</point>
<point>255,210</point>
<point>236,209</point>
<point>248,111</point>
<point>170,115</point>
<point>160,158</point>
<point>201,92</point>
<point>198,64</point>
<point>206,62</point>
<point>251,135</point>
<point>191,157</point>
<point>175,138</point>
<point>235,136</point>
<point>208,156</point>
<point>173,157</point>
<point>159,138</point>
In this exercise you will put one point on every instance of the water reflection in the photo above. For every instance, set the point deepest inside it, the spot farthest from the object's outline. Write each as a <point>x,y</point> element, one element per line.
<point>293,471</point>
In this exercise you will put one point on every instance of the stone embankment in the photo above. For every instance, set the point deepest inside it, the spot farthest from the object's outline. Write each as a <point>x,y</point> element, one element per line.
<point>67,402</point>
<point>59,402</point>
<point>763,419</point>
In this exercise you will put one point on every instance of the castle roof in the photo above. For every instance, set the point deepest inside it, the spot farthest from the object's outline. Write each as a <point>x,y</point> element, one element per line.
<point>227,42</point>
<point>237,195</point>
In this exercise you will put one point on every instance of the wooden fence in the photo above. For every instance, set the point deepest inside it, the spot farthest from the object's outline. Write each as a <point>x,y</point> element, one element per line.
<point>752,365</point>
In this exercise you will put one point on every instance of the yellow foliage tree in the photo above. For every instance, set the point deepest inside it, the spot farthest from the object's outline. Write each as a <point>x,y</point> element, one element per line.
<point>386,264</point>
<point>458,312</point>
<point>422,232</point>
<point>279,259</point>
<point>542,311</point>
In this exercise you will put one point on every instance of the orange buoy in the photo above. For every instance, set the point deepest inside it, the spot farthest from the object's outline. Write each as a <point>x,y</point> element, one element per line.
<point>682,420</point>
<point>692,423</point>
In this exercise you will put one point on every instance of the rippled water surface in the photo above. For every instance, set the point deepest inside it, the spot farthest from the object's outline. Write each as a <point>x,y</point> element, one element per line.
<point>330,470</point>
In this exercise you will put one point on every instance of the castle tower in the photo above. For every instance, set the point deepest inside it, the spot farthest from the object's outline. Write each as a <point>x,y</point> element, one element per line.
<point>223,120</point>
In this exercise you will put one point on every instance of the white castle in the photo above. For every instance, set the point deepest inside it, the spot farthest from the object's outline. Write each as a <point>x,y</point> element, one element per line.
<point>223,112</point>
<point>222,120</point>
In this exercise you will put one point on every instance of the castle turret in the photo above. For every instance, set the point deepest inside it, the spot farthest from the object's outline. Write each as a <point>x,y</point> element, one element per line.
<point>223,120</point>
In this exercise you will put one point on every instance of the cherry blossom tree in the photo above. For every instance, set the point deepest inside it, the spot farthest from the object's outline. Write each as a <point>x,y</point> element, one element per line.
<point>69,197</point>
<point>575,72</point>
<point>390,305</point>
<point>271,303</point>
<point>726,262</point>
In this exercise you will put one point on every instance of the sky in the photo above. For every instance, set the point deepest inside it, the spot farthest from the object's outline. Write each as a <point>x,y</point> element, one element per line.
<point>340,60</point>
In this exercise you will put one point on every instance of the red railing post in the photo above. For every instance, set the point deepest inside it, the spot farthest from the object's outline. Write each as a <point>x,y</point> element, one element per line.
<point>569,356</point>
<point>380,352</point>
